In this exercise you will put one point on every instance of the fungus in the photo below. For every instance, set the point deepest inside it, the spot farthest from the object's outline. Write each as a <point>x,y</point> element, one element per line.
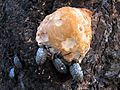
<point>68,30</point>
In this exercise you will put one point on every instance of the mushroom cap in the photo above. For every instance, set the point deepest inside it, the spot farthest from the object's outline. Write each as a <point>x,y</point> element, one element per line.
<point>67,30</point>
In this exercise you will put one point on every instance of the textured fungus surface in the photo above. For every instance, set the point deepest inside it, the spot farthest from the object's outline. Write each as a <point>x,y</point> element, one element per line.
<point>68,30</point>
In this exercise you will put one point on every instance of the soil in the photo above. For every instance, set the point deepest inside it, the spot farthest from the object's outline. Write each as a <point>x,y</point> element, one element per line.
<point>19,20</point>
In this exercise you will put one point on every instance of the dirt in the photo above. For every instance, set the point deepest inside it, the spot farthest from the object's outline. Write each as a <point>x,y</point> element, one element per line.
<point>19,20</point>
